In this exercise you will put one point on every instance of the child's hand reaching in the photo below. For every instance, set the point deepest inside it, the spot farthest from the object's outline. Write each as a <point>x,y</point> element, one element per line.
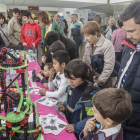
<point>70,128</point>
<point>90,124</point>
<point>62,108</point>
<point>41,71</point>
<point>42,91</point>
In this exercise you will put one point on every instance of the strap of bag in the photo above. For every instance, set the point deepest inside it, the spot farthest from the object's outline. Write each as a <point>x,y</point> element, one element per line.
<point>5,35</point>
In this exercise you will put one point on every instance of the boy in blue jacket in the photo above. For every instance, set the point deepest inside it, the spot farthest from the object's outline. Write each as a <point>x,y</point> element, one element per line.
<point>78,104</point>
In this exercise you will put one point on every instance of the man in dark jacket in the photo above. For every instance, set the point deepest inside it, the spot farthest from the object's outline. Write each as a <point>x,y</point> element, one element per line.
<point>129,73</point>
<point>70,45</point>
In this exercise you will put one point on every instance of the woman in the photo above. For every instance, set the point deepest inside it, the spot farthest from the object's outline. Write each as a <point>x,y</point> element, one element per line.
<point>98,46</point>
<point>45,20</point>
<point>98,19</point>
<point>117,38</point>
<point>4,30</point>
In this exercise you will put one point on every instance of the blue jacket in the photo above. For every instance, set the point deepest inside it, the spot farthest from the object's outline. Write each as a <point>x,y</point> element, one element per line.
<point>97,63</point>
<point>83,109</point>
<point>132,85</point>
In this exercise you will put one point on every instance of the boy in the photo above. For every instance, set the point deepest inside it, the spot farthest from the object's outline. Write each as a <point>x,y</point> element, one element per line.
<point>59,84</point>
<point>111,107</point>
<point>78,104</point>
<point>56,46</point>
<point>44,75</point>
<point>30,31</point>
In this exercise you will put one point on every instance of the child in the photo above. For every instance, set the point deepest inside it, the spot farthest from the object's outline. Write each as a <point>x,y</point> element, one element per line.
<point>78,105</point>
<point>43,59</point>
<point>30,32</point>
<point>111,107</point>
<point>56,46</point>
<point>44,75</point>
<point>59,84</point>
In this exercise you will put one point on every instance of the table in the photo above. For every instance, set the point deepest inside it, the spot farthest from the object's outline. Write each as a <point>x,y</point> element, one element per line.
<point>44,110</point>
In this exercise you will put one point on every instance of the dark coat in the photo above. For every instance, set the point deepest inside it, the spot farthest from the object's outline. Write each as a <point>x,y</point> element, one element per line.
<point>132,85</point>
<point>70,46</point>
<point>97,63</point>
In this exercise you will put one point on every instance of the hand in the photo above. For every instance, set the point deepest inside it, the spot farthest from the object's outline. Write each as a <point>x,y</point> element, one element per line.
<point>62,108</point>
<point>39,76</point>
<point>90,124</point>
<point>70,128</point>
<point>95,84</point>
<point>33,45</point>
<point>51,74</point>
<point>42,91</point>
<point>41,71</point>
<point>24,44</point>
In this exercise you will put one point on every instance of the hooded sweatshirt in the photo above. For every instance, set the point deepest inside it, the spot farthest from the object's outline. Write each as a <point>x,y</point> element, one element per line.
<point>31,33</point>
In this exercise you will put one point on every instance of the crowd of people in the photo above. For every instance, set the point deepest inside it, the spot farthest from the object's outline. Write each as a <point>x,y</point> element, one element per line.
<point>100,94</point>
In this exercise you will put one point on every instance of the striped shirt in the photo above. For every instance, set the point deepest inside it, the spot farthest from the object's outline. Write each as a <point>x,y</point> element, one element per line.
<point>113,133</point>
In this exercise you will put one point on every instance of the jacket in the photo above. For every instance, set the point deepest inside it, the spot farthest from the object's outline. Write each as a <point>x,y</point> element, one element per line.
<point>14,31</point>
<point>83,109</point>
<point>4,32</point>
<point>55,27</point>
<point>132,84</point>
<point>31,33</point>
<point>70,46</point>
<point>97,63</point>
<point>106,48</point>
<point>113,133</point>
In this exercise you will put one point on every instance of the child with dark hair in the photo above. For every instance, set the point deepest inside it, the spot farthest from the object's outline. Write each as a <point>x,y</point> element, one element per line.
<point>44,75</point>
<point>30,31</point>
<point>59,84</point>
<point>78,104</point>
<point>56,46</point>
<point>111,107</point>
<point>43,59</point>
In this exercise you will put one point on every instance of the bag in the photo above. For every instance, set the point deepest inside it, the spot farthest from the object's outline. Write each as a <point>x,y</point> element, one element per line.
<point>34,78</point>
<point>75,31</point>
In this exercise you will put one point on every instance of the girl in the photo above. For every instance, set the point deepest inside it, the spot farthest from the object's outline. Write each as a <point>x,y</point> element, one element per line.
<point>78,104</point>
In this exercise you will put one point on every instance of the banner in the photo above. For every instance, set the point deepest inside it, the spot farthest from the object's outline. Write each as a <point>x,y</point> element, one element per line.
<point>91,16</point>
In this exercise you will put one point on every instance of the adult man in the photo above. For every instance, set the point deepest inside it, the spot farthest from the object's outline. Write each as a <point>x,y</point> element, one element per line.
<point>14,29</point>
<point>74,30</point>
<point>30,31</point>
<point>110,28</point>
<point>59,22</point>
<point>129,73</point>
